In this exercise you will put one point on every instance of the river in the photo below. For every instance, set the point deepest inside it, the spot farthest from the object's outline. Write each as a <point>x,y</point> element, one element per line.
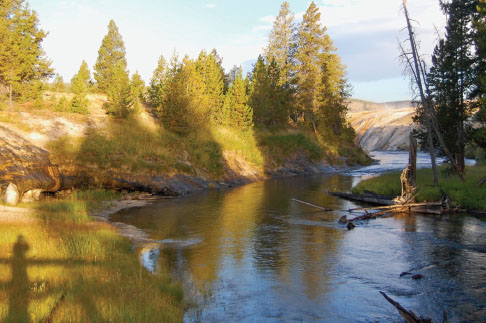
<point>252,254</point>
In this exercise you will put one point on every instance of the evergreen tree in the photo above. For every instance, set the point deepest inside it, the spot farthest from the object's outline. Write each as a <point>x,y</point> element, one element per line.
<point>111,58</point>
<point>120,98</point>
<point>479,134</point>
<point>334,94</point>
<point>313,44</point>
<point>79,86</point>
<point>260,97</point>
<point>238,114</point>
<point>183,106</point>
<point>281,44</point>
<point>22,58</point>
<point>268,97</point>
<point>173,109</point>
<point>209,70</point>
<point>451,77</point>
<point>58,84</point>
<point>137,88</point>
<point>158,83</point>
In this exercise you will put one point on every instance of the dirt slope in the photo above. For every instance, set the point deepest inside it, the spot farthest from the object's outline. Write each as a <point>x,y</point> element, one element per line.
<point>382,126</point>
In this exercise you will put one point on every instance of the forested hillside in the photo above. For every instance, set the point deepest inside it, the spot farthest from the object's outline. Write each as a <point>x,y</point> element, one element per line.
<point>287,116</point>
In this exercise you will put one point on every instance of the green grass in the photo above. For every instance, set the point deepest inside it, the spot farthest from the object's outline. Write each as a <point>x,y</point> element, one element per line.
<point>16,120</point>
<point>465,194</point>
<point>243,143</point>
<point>66,268</point>
<point>133,146</point>
<point>129,146</point>
<point>291,144</point>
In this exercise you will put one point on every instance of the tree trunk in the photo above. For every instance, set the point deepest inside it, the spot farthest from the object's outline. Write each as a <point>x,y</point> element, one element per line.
<point>10,97</point>
<point>409,175</point>
<point>429,113</point>
<point>412,161</point>
<point>430,143</point>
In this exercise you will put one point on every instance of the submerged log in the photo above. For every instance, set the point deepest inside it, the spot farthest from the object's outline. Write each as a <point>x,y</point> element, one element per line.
<point>367,198</point>
<point>408,315</point>
<point>313,205</point>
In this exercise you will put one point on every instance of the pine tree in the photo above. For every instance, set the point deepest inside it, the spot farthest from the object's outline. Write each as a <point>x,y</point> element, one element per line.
<point>281,96</point>
<point>22,58</point>
<point>58,84</point>
<point>210,71</point>
<point>281,44</point>
<point>120,98</point>
<point>334,94</point>
<point>173,109</point>
<point>137,88</point>
<point>79,86</point>
<point>158,84</point>
<point>451,77</point>
<point>111,58</point>
<point>260,94</point>
<point>238,114</point>
<point>184,107</point>
<point>479,93</point>
<point>312,44</point>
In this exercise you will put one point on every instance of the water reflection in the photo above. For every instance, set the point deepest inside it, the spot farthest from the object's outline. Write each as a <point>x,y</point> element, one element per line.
<point>264,257</point>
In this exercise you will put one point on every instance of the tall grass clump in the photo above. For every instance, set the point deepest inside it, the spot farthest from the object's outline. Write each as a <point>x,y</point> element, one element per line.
<point>63,268</point>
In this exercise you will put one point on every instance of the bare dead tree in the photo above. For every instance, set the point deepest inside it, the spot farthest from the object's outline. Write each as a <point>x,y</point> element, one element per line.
<point>419,76</point>
<point>417,79</point>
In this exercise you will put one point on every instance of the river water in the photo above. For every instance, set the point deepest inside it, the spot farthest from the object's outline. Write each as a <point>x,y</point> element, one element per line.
<point>252,254</point>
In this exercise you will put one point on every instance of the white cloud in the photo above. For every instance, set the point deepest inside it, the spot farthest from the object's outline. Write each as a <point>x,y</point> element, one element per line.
<point>210,5</point>
<point>261,28</point>
<point>366,33</point>
<point>268,19</point>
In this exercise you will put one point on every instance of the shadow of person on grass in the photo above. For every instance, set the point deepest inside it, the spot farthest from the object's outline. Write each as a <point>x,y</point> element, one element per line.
<point>19,297</point>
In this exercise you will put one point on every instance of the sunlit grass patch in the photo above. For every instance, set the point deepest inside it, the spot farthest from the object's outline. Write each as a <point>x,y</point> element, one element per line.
<point>291,144</point>
<point>242,142</point>
<point>63,269</point>
<point>466,194</point>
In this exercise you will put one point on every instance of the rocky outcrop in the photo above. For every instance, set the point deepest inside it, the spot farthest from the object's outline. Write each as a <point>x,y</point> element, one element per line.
<point>24,168</point>
<point>382,126</point>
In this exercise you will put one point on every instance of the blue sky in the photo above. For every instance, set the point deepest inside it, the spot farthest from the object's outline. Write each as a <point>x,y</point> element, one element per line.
<point>364,31</point>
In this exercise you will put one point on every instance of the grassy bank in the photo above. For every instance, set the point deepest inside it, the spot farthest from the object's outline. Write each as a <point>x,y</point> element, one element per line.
<point>64,267</point>
<point>134,146</point>
<point>465,194</point>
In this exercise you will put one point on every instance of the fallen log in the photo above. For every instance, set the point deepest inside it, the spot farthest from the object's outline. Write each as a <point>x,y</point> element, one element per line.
<point>367,198</point>
<point>389,207</point>
<point>368,216</point>
<point>408,315</point>
<point>313,205</point>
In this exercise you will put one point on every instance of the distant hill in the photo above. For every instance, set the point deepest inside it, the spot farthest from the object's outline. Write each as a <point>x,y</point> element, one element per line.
<point>381,126</point>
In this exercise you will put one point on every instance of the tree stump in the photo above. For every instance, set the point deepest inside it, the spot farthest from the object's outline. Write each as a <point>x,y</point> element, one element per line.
<point>409,175</point>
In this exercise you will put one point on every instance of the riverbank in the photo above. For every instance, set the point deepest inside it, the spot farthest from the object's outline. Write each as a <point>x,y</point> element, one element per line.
<point>67,150</point>
<point>62,265</point>
<point>467,194</point>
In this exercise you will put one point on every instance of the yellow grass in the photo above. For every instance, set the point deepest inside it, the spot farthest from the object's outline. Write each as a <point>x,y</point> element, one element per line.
<point>65,268</point>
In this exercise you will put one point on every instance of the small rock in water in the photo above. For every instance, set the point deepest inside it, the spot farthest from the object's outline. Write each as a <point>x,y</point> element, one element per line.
<point>350,226</point>
<point>405,273</point>
<point>417,276</point>
<point>343,219</point>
